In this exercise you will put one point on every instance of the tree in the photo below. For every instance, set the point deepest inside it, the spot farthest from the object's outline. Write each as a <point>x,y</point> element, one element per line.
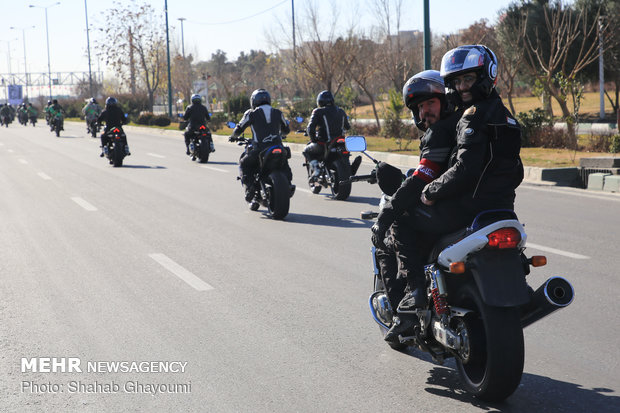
<point>134,30</point>
<point>362,72</point>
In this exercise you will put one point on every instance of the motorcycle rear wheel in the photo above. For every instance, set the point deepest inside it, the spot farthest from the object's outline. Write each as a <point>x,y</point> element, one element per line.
<point>118,155</point>
<point>491,364</point>
<point>342,171</point>
<point>279,195</point>
<point>203,152</point>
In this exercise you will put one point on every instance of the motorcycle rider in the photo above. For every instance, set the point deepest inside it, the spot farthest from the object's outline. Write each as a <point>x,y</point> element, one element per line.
<point>5,113</point>
<point>484,168</point>
<point>33,113</point>
<point>197,114</point>
<point>56,112</point>
<point>114,117</point>
<point>47,111</point>
<point>424,95</point>
<point>91,112</point>
<point>268,126</point>
<point>331,122</point>
<point>22,114</point>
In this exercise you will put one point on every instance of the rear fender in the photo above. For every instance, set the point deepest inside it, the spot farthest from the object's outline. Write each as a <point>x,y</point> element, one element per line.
<point>500,277</point>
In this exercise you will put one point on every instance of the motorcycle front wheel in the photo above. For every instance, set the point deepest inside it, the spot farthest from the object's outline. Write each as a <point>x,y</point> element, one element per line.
<point>279,195</point>
<point>490,362</point>
<point>342,171</point>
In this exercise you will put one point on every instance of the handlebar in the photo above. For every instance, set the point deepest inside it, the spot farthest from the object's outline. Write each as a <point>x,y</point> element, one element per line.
<point>371,179</point>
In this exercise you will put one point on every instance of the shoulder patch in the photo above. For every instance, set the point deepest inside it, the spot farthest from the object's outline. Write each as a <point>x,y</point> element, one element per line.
<point>510,120</point>
<point>469,131</point>
<point>470,111</point>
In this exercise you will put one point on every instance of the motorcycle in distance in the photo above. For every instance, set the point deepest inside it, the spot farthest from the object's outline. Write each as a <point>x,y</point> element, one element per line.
<point>93,127</point>
<point>5,120</point>
<point>201,144</point>
<point>22,117</point>
<point>334,170</point>
<point>479,301</point>
<point>33,120</point>
<point>273,190</point>
<point>116,148</point>
<point>57,121</point>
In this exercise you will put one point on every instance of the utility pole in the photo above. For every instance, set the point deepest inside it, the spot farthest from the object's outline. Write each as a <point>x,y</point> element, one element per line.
<point>90,74</point>
<point>168,53</point>
<point>47,36</point>
<point>182,19</point>
<point>427,36</point>
<point>601,71</point>
<point>23,29</point>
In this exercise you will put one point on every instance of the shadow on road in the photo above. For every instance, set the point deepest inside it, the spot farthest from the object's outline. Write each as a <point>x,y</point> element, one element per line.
<point>221,163</point>
<point>534,394</point>
<point>143,167</point>
<point>327,221</point>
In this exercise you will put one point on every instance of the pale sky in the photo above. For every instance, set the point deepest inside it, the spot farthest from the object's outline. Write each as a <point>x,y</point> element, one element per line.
<point>232,26</point>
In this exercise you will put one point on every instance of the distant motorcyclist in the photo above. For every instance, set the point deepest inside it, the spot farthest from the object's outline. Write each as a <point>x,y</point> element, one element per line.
<point>22,114</point>
<point>5,114</point>
<point>331,123</point>
<point>91,112</point>
<point>33,113</point>
<point>47,111</point>
<point>56,114</point>
<point>268,127</point>
<point>198,115</point>
<point>113,116</point>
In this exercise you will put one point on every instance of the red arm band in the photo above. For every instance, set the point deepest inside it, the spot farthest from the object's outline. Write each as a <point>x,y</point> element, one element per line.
<point>427,170</point>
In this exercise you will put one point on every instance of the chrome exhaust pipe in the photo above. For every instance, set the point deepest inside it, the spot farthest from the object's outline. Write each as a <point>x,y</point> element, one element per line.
<point>554,294</point>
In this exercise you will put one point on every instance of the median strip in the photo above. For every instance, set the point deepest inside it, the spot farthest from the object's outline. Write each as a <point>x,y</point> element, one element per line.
<point>181,272</point>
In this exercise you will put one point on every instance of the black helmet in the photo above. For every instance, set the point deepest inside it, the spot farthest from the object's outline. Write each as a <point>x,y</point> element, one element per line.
<point>55,101</point>
<point>325,98</point>
<point>196,98</point>
<point>471,58</point>
<point>423,86</point>
<point>111,101</point>
<point>93,100</point>
<point>49,102</point>
<point>260,97</point>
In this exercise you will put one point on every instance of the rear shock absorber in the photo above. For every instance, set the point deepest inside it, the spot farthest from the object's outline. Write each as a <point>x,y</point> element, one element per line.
<point>438,291</point>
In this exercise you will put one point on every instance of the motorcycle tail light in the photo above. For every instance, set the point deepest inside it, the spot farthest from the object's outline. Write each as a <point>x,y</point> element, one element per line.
<point>538,260</point>
<point>340,141</point>
<point>202,127</point>
<point>504,238</point>
<point>115,130</point>
<point>345,152</point>
<point>277,151</point>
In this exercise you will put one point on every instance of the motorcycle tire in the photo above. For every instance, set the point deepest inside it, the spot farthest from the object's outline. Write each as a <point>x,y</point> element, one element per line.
<point>279,195</point>
<point>57,130</point>
<point>93,131</point>
<point>491,363</point>
<point>314,187</point>
<point>342,171</point>
<point>118,155</point>
<point>395,346</point>
<point>203,152</point>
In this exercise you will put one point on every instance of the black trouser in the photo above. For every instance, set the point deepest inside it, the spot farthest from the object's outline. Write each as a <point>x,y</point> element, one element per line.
<point>314,151</point>
<point>248,163</point>
<point>105,139</point>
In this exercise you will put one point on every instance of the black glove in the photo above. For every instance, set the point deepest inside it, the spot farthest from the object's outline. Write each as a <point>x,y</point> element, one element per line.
<point>380,228</point>
<point>232,138</point>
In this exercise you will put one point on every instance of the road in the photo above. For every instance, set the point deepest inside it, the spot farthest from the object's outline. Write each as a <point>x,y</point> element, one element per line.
<point>161,261</point>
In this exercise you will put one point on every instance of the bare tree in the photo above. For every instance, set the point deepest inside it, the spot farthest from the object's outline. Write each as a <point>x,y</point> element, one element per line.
<point>362,71</point>
<point>134,30</point>
<point>510,53</point>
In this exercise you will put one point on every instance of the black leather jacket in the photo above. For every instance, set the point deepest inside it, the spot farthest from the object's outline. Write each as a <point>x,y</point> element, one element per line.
<point>485,168</point>
<point>112,116</point>
<point>197,114</point>
<point>331,122</point>
<point>268,126</point>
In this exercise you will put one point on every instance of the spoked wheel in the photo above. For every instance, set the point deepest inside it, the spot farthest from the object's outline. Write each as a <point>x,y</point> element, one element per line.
<point>396,346</point>
<point>278,195</point>
<point>490,362</point>
<point>341,171</point>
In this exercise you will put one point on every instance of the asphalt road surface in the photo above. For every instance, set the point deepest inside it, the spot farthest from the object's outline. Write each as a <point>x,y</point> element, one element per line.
<point>214,308</point>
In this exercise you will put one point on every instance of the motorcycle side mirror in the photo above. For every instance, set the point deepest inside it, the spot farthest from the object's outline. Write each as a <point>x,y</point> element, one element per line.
<point>231,125</point>
<point>179,115</point>
<point>355,143</point>
<point>299,119</point>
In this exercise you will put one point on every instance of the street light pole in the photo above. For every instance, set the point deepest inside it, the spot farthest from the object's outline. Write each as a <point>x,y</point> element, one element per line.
<point>23,29</point>
<point>168,53</point>
<point>182,37</point>
<point>90,75</point>
<point>47,36</point>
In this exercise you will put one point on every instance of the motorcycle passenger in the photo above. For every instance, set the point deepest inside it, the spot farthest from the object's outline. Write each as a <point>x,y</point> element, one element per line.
<point>331,122</point>
<point>424,95</point>
<point>56,113</point>
<point>198,115</point>
<point>91,112</point>
<point>484,168</point>
<point>268,126</point>
<point>114,117</point>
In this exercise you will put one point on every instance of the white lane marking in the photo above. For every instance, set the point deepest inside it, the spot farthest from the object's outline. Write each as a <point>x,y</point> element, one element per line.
<point>607,196</point>
<point>44,176</point>
<point>303,190</point>
<point>25,162</point>
<point>556,251</point>
<point>1,144</point>
<point>11,151</point>
<point>86,205</point>
<point>154,155</point>
<point>213,168</point>
<point>181,272</point>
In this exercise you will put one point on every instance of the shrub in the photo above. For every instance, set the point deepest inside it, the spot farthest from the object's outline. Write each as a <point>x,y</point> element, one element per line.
<point>218,119</point>
<point>145,118</point>
<point>532,122</point>
<point>614,146</point>
<point>161,120</point>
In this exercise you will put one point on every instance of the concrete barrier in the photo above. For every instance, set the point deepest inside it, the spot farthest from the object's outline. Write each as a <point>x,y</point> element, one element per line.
<point>596,181</point>
<point>611,183</point>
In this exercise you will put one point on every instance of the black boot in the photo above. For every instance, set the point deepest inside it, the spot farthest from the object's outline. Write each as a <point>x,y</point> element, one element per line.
<point>413,300</point>
<point>401,324</point>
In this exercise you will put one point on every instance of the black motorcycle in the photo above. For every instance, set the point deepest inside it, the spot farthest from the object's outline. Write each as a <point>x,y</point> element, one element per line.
<point>22,117</point>
<point>479,301</point>
<point>93,127</point>
<point>33,120</point>
<point>5,120</point>
<point>333,171</point>
<point>116,148</point>
<point>272,188</point>
<point>57,123</point>
<point>201,144</point>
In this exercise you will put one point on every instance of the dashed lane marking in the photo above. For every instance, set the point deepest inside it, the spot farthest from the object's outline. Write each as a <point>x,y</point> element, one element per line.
<point>181,272</point>
<point>84,204</point>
